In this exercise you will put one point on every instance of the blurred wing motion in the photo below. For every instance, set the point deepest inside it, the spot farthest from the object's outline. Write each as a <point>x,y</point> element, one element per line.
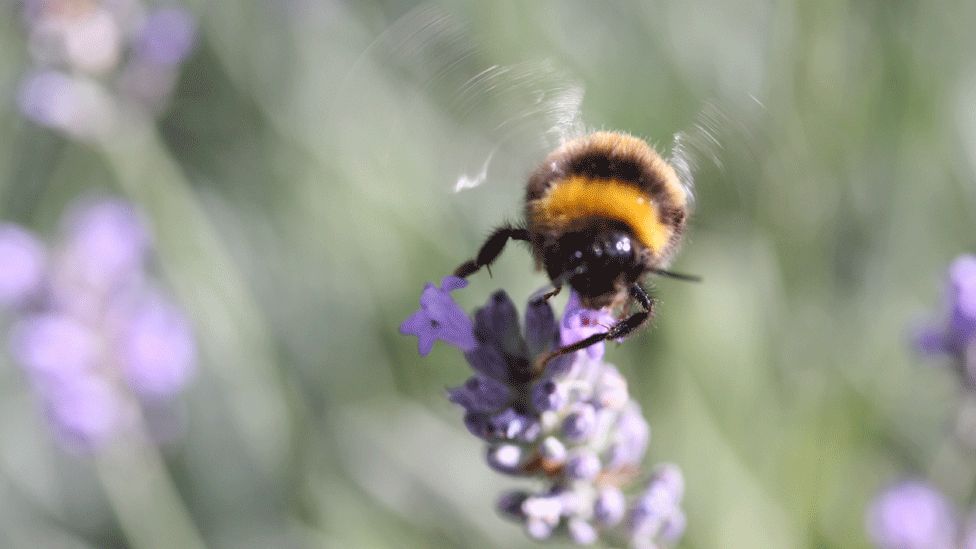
<point>705,143</point>
<point>475,112</point>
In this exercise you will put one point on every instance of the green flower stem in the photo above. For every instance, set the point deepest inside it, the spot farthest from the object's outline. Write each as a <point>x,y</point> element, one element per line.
<point>143,497</point>
<point>233,337</point>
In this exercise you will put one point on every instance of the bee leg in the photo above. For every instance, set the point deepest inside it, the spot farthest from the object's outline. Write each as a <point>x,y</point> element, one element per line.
<point>617,331</point>
<point>545,293</point>
<point>491,249</point>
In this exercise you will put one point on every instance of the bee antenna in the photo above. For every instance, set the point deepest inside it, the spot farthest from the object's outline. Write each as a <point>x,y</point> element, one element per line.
<point>677,276</point>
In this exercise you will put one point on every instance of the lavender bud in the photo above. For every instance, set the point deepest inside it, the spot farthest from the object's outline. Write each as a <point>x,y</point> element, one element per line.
<point>538,529</point>
<point>581,532</point>
<point>479,425</point>
<point>553,449</point>
<point>509,504</point>
<point>541,328</point>
<point>545,508</point>
<point>506,458</point>
<point>548,395</point>
<point>579,424</point>
<point>582,464</point>
<point>610,506</point>
<point>497,324</point>
<point>611,389</point>
<point>480,394</point>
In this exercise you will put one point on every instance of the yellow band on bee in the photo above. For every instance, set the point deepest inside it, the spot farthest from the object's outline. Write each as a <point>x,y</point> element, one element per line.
<point>578,197</point>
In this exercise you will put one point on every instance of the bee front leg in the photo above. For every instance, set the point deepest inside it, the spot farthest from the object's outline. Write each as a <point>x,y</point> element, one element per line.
<point>491,249</point>
<point>617,331</point>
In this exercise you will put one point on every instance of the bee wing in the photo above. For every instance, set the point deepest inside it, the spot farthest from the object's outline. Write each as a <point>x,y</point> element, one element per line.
<point>704,144</point>
<point>482,112</point>
<point>527,109</point>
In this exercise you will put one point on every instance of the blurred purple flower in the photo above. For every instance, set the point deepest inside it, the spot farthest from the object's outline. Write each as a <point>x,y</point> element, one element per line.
<point>96,59</point>
<point>958,330</point>
<point>167,36</point>
<point>955,334</point>
<point>572,425</point>
<point>52,346</point>
<point>658,517</point>
<point>86,411</point>
<point>441,318</point>
<point>156,349</point>
<point>22,265</point>
<point>99,341</point>
<point>912,515</point>
<point>75,105</point>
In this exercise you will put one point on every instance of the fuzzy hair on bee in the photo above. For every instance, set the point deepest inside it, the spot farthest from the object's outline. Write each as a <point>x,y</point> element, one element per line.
<point>602,212</point>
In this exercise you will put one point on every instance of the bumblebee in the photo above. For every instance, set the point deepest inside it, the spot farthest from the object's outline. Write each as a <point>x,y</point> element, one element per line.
<point>602,212</point>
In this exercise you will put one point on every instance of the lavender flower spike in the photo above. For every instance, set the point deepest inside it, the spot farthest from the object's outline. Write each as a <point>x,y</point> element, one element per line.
<point>573,426</point>
<point>95,338</point>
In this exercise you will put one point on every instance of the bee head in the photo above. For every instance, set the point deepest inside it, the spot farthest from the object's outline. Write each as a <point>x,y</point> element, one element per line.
<point>594,261</point>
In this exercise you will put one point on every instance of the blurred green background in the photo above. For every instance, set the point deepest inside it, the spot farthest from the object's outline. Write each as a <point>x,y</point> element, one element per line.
<point>300,188</point>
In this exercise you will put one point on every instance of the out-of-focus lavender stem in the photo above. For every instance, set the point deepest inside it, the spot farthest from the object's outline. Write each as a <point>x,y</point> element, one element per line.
<point>202,273</point>
<point>138,485</point>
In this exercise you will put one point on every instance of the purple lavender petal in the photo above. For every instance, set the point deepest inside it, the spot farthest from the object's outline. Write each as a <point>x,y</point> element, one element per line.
<point>167,37</point>
<point>22,265</point>
<point>441,318</point>
<point>53,347</point>
<point>911,515</point>
<point>579,323</point>
<point>157,350</point>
